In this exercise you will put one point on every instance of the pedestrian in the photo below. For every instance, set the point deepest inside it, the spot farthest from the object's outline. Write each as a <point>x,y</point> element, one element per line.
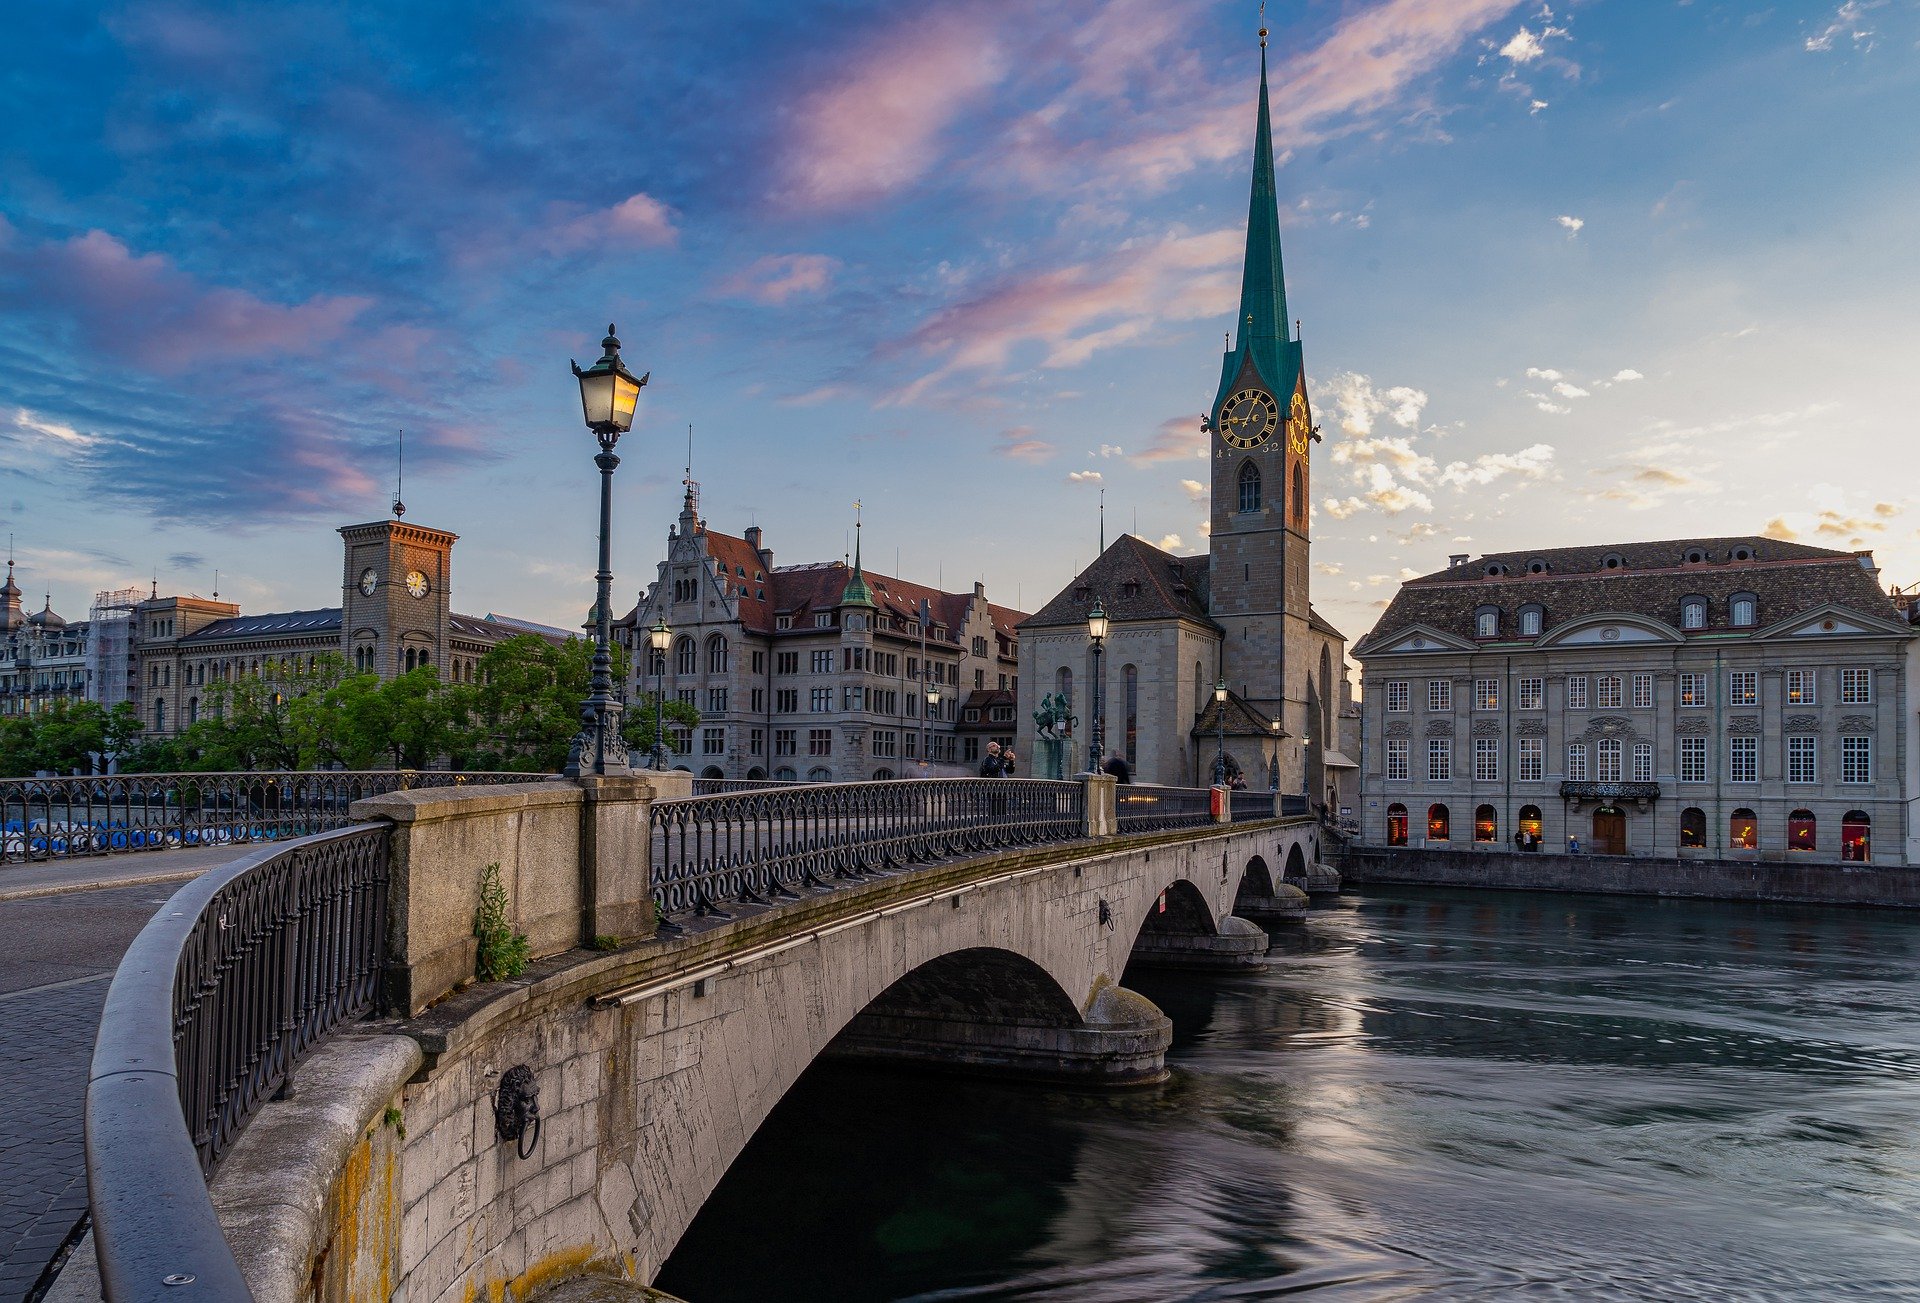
<point>991,766</point>
<point>1119,768</point>
<point>1007,759</point>
<point>1573,845</point>
<point>1520,839</point>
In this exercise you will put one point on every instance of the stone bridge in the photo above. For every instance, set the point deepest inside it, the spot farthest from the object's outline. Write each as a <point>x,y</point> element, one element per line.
<point>384,1175</point>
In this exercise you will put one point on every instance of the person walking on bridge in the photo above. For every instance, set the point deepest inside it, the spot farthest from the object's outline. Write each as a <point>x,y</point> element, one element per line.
<point>1119,768</point>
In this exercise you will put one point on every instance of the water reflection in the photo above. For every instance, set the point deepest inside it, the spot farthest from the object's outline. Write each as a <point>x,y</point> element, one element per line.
<point>1441,1095</point>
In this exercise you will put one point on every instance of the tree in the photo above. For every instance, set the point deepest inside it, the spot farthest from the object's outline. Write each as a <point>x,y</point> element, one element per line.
<point>637,725</point>
<point>525,705</point>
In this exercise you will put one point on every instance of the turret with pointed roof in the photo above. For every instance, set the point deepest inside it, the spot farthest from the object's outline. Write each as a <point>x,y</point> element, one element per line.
<point>1261,324</point>
<point>11,615</point>
<point>857,592</point>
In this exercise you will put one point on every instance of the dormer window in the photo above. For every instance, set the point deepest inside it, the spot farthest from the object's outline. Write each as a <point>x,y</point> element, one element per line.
<point>1612,561</point>
<point>1696,556</point>
<point>1130,589</point>
<point>1531,618</point>
<point>1495,570</point>
<point>1486,622</point>
<point>1082,593</point>
<point>1743,553</point>
<point>1742,610</point>
<point>1537,566</point>
<point>1693,613</point>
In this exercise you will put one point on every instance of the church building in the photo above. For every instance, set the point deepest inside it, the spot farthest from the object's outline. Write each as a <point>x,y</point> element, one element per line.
<point>1181,629</point>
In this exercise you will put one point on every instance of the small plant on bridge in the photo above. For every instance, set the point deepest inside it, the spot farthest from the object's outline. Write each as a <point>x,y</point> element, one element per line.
<point>502,952</point>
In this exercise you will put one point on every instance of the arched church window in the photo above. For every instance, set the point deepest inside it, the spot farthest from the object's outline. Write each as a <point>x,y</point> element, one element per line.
<point>686,657</point>
<point>1249,487</point>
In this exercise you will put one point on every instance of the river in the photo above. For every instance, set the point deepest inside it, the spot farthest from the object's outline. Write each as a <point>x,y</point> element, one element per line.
<point>1441,1094</point>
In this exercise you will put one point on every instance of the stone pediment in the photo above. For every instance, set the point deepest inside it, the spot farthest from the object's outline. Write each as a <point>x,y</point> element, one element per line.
<point>1419,638</point>
<point>1832,621</point>
<point>1610,628</point>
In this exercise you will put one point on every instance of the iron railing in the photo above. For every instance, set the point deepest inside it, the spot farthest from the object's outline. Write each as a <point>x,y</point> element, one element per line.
<point>755,846</point>
<point>1142,807</point>
<point>727,786</point>
<point>1252,805</point>
<point>1292,803</point>
<point>58,818</point>
<point>220,995</point>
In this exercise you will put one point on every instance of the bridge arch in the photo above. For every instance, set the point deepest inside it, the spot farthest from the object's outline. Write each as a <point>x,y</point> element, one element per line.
<point>1296,863</point>
<point>1256,882</point>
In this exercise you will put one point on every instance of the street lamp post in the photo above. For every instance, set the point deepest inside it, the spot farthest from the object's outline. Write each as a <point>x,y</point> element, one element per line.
<point>1220,723</point>
<point>659,638</point>
<point>608,395</point>
<point>1096,747</point>
<point>1273,769</point>
<point>1306,775</point>
<point>933,704</point>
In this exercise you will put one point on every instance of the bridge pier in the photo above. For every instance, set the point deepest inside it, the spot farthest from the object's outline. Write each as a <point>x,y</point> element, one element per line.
<point>1286,904</point>
<point>1122,1042</point>
<point>1236,947</point>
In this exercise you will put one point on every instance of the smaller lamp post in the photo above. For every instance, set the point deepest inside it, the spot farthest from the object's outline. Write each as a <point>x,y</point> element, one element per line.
<point>659,638</point>
<point>1273,769</point>
<point>1306,776</point>
<point>926,719</point>
<point>608,395</point>
<point>1097,631</point>
<point>1220,725</point>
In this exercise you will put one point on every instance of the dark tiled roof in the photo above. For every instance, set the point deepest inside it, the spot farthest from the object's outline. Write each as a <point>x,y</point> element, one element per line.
<point>499,628</point>
<point>1316,621</point>
<point>1134,580</point>
<point>984,700</point>
<point>1650,579</point>
<point>1242,719</point>
<point>275,624</point>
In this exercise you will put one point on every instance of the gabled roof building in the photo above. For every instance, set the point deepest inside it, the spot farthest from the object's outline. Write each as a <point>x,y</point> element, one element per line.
<point>1736,698</point>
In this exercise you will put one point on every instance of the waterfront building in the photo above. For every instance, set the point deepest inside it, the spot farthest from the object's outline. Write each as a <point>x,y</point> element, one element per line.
<point>1700,698</point>
<point>43,658</point>
<point>395,616</point>
<point>1240,614</point>
<point>818,672</point>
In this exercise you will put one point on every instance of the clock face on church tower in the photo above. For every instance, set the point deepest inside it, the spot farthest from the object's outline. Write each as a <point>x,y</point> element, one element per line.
<point>1248,418</point>
<point>1299,425</point>
<point>368,582</point>
<point>416,583</point>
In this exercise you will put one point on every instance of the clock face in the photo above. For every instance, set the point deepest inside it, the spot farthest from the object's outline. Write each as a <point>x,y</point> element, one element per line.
<point>416,583</point>
<point>368,582</point>
<point>1299,424</point>
<point>1248,418</point>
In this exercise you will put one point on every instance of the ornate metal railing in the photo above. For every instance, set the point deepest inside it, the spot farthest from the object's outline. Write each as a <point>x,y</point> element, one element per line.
<point>1293,803</point>
<point>57,818</point>
<point>236,977</point>
<point>1252,805</point>
<point>1141,807</point>
<point>727,786</point>
<point>755,846</point>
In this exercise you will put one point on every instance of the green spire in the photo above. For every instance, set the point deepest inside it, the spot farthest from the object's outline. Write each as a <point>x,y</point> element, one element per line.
<point>1260,327</point>
<point>857,593</point>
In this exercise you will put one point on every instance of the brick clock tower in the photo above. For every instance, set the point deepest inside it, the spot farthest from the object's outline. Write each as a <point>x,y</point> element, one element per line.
<point>1262,435</point>
<point>395,597</point>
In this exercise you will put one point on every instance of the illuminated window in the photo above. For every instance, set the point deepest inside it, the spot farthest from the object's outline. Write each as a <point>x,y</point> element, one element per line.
<point>1438,824</point>
<point>1396,824</point>
<point>1800,831</point>
<point>1486,825</point>
<point>1743,831</point>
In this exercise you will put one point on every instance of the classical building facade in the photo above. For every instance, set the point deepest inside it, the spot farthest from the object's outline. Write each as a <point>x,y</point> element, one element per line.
<point>395,616</point>
<point>1710,698</point>
<point>817,672</point>
<point>43,659</point>
<point>1239,614</point>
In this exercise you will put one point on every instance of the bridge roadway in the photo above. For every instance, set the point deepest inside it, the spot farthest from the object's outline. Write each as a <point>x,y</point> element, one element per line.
<point>655,1064</point>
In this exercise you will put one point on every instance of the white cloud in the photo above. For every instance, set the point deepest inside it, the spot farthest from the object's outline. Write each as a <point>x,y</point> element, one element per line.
<point>1195,489</point>
<point>1530,463</point>
<point>1083,477</point>
<point>1846,22</point>
<point>29,423</point>
<point>1329,567</point>
<point>1623,376</point>
<point>1552,408</point>
<point>1534,106</point>
<point>1566,390</point>
<point>1543,373</point>
<point>1522,47</point>
<point>1109,450</point>
<point>1169,543</point>
<point>1573,224</point>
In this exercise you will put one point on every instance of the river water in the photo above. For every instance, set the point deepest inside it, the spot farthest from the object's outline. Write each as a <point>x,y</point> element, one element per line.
<point>1425,1095</point>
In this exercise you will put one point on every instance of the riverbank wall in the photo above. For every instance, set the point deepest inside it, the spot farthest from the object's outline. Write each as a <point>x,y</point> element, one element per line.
<point>1621,875</point>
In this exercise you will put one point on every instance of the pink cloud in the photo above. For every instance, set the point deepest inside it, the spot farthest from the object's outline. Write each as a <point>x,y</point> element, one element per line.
<point>1176,438</point>
<point>143,308</point>
<point>1074,311</point>
<point>1019,444</point>
<point>639,219</point>
<point>872,126</point>
<point>778,277</point>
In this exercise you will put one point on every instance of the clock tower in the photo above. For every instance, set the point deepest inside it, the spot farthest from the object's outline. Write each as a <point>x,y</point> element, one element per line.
<point>1261,435</point>
<point>395,603</point>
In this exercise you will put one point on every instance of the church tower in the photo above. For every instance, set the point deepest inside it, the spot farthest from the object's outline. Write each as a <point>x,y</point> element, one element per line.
<point>1261,436</point>
<point>395,613</point>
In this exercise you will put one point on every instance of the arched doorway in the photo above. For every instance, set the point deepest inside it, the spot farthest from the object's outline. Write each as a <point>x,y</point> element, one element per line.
<point>1396,824</point>
<point>1856,836</point>
<point>713,771</point>
<point>1486,824</point>
<point>1530,826</point>
<point>1609,830</point>
<point>1802,831</point>
<point>1693,829</point>
<point>1439,823</point>
<point>1743,831</point>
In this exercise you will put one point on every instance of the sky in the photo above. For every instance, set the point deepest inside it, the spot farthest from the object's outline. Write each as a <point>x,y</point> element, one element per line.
<point>1566,273</point>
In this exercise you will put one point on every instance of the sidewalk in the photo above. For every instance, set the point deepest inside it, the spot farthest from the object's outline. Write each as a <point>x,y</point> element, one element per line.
<point>99,872</point>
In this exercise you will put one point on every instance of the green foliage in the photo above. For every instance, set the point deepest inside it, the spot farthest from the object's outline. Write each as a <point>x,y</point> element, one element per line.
<point>503,952</point>
<point>636,726</point>
<point>69,738</point>
<point>603,941</point>
<point>395,1119</point>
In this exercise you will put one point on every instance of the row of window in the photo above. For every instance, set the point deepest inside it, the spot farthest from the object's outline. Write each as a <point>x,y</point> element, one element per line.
<point>1743,612</point>
<point>1610,757</point>
<point>1743,828</point>
<point>1617,691</point>
<point>686,660</point>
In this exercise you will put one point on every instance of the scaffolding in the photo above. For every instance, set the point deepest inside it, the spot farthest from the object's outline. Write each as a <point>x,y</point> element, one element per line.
<point>110,646</point>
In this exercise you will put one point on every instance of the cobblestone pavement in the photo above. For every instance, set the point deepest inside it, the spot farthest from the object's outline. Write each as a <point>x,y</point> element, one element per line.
<point>57,957</point>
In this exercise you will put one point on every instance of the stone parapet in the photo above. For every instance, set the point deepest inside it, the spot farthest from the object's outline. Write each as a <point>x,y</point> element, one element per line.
<point>1103,804</point>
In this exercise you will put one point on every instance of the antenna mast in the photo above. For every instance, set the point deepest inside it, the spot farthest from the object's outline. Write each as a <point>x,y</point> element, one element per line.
<point>400,478</point>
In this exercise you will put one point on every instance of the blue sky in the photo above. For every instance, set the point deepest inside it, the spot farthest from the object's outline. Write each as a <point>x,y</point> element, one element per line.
<point>1567,274</point>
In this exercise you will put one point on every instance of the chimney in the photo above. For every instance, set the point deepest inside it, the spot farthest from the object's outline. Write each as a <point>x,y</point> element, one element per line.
<point>1458,559</point>
<point>753,537</point>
